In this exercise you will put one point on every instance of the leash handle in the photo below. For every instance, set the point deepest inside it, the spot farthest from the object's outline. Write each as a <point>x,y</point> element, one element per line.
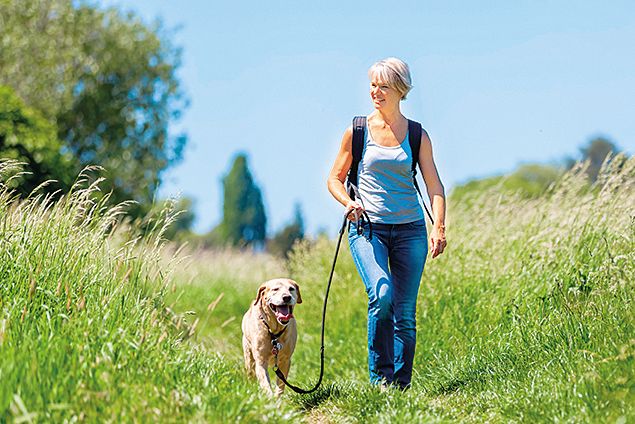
<point>360,229</point>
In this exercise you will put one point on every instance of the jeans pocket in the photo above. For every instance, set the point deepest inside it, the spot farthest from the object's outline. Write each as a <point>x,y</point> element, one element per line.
<point>417,225</point>
<point>417,229</point>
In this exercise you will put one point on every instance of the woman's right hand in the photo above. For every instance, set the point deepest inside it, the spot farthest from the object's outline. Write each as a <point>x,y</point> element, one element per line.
<point>354,210</point>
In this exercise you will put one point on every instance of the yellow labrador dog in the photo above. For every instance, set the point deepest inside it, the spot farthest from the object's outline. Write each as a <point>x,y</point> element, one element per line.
<point>270,319</point>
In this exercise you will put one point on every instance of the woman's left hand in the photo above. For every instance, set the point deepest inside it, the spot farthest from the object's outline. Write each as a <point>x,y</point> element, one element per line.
<point>437,241</point>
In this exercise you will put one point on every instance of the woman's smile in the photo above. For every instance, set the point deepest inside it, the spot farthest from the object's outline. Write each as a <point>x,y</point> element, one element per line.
<point>382,94</point>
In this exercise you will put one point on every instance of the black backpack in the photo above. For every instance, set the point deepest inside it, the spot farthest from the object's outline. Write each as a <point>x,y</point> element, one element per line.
<point>414,139</point>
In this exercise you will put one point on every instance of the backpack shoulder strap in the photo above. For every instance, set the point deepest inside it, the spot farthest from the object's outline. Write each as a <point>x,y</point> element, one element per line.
<point>414,138</point>
<point>359,129</point>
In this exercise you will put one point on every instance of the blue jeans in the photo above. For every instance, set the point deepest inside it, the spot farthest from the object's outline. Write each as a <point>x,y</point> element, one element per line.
<point>391,265</point>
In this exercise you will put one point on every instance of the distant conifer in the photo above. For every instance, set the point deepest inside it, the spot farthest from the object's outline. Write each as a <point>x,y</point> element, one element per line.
<point>244,219</point>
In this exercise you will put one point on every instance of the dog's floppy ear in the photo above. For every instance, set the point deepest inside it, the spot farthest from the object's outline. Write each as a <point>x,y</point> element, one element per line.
<point>297,288</point>
<point>261,290</point>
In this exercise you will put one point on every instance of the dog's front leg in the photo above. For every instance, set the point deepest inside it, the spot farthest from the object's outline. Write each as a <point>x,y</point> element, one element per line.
<point>248,356</point>
<point>284,364</point>
<point>263,376</point>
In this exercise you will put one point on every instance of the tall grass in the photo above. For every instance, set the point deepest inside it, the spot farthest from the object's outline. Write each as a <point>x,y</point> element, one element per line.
<point>85,334</point>
<point>529,316</point>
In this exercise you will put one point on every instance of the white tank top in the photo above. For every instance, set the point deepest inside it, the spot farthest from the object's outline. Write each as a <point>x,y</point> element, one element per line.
<point>385,182</point>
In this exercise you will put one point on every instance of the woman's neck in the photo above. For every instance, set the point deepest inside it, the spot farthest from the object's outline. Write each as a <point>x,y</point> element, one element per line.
<point>389,117</point>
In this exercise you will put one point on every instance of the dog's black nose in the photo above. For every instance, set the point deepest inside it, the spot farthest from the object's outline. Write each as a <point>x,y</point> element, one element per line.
<point>286,299</point>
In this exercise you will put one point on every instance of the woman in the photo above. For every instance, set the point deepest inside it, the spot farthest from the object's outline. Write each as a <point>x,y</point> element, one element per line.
<point>391,262</point>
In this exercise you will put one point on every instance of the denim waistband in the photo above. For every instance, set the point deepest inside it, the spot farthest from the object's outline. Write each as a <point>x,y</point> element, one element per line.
<point>384,226</point>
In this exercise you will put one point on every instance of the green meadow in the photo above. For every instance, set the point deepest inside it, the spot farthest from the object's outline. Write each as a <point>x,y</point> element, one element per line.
<point>529,315</point>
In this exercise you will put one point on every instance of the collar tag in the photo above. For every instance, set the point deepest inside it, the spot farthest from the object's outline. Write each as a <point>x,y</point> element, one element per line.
<point>276,346</point>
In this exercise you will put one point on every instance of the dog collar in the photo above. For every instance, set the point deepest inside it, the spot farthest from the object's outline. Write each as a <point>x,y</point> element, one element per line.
<point>274,336</point>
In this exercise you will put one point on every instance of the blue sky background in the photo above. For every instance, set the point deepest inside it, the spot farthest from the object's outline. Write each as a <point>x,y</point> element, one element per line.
<point>497,83</point>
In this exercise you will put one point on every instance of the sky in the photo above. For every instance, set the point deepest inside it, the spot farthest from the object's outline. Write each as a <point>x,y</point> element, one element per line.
<point>496,84</point>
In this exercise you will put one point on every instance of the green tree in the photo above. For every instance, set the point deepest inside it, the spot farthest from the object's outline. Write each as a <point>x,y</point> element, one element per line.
<point>29,138</point>
<point>532,179</point>
<point>282,242</point>
<point>107,79</point>
<point>528,180</point>
<point>596,152</point>
<point>244,219</point>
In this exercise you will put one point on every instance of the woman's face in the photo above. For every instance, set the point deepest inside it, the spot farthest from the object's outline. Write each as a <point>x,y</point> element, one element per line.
<point>382,94</point>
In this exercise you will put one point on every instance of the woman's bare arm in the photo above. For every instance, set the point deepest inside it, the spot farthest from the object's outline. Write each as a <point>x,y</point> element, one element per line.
<point>339,171</point>
<point>436,192</point>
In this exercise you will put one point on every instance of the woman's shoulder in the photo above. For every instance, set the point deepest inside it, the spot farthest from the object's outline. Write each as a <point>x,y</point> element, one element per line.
<point>347,139</point>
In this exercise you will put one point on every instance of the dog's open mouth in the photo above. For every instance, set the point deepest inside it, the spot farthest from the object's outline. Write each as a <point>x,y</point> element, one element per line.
<point>283,313</point>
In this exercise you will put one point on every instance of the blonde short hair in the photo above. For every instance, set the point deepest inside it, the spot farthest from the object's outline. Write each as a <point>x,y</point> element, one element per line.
<point>395,73</point>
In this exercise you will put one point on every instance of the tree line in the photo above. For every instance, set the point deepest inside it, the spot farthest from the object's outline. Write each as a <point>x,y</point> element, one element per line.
<point>533,179</point>
<point>247,228</point>
<point>244,221</point>
<point>84,86</point>
<point>80,86</point>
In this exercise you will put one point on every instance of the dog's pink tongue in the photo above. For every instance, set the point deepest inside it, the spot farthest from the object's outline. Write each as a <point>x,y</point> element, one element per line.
<point>283,312</point>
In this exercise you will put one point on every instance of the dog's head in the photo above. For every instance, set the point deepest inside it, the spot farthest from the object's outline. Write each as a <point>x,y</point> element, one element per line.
<point>279,296</point>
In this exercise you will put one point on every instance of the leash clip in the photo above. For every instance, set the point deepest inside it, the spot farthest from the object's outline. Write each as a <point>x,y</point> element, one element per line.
<point>276,346</point>
<point>358,227</point>
<point>360,221</point>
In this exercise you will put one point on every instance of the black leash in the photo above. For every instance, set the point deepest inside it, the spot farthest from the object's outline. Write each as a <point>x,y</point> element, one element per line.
<point>274,341</point>
<point>414,178</point>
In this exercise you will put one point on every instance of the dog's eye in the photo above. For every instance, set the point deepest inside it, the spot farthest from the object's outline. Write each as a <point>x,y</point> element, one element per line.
<point>275,289</point>
<point>291,288</point>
